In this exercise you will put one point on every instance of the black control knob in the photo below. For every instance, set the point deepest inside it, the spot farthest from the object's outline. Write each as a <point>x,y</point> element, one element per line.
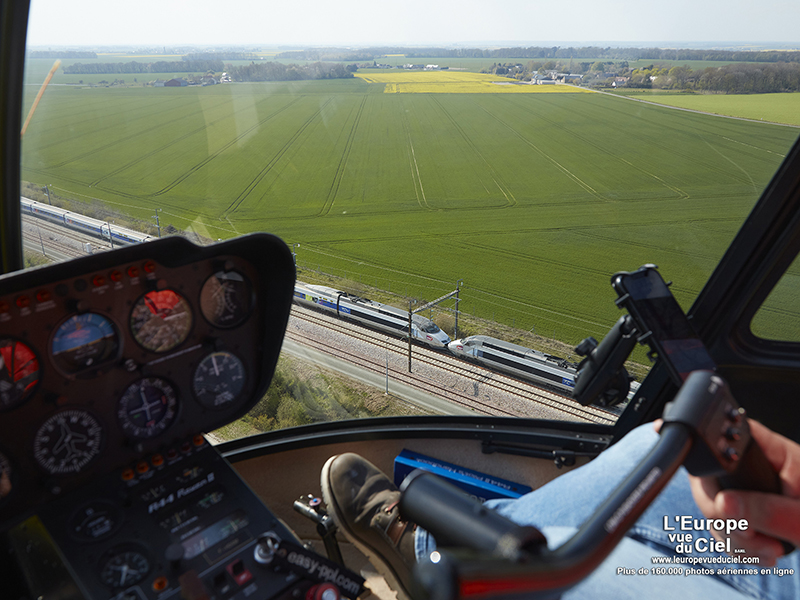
<point>735,414</point>
<point>174,555</point>
<point>586,346</point>
<point>733,434</point>
<point>732,454</point>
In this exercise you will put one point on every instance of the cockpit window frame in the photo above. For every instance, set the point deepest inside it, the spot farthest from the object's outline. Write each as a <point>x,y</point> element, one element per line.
<point>761,372</point>
<point>13,24</point>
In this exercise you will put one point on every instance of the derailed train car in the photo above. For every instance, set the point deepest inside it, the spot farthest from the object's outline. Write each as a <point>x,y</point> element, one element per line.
<point>371,313</point>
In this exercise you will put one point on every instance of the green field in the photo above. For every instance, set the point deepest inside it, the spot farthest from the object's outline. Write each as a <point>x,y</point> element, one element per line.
<point>777,108</point>
<point>534,200</point>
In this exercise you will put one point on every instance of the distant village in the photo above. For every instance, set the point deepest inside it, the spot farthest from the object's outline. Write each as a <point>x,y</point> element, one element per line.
<point>182,82</point>
<point>532,73</point>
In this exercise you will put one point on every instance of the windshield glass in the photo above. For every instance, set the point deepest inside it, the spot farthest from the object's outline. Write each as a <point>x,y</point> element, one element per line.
<point>493,186</point>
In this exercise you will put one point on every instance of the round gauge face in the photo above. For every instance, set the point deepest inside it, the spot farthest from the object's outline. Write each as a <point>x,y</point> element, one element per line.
<point>226,299</point>
<point>218,380</point>
<point>94,521</point>
<point>67,442</point>
<point>84,341</point>
<point>19,373</point>
<point>161,320</point>
<point>147,408</point>
<point>123,567</point>
<point>6,478</point>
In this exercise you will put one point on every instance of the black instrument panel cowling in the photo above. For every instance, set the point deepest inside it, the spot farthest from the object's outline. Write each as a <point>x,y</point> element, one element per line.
<point>115,357</point>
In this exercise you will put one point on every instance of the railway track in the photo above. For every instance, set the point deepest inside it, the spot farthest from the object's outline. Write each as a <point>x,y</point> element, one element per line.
<point>480,378</point>
<point>55,237</point>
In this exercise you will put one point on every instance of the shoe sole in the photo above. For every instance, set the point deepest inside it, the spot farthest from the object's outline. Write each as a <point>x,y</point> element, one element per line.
<point>384,568</point>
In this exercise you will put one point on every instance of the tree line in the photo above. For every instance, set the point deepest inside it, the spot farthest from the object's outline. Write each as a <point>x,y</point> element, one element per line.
<point>197,66</point>
<point>274,71</point>
<point>61,54</point>
<point>545,53</point>
<point>744,78</point>
<point>201,56</point>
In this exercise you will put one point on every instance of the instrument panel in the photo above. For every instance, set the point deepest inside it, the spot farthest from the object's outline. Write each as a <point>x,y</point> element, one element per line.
<point>112,359</point>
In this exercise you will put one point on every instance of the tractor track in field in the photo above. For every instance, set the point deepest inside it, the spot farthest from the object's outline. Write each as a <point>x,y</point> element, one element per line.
<point>511,201</point>
<point>171,143</point>
<point>340,168</point>
<point>234,206</point>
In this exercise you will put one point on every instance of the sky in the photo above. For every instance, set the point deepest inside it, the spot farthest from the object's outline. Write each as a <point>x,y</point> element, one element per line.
<point>411,22</point>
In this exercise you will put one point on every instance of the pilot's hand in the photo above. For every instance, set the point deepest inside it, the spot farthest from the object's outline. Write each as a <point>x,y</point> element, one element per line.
<point>768,515</point>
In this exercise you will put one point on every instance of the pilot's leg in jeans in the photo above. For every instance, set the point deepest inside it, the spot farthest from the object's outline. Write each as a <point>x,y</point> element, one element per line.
<point>562,505</point>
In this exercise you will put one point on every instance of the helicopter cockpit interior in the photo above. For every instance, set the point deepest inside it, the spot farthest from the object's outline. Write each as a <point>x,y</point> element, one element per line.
<point>111,491</point>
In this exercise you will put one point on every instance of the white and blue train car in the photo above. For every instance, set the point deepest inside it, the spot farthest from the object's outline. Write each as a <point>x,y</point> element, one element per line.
<point>532,365</point>
<point>373,314</point>
<point>101,229</point>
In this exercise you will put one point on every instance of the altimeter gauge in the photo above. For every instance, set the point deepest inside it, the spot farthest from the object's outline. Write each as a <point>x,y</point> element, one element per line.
<point>67,442</point>
<point>147,408</point>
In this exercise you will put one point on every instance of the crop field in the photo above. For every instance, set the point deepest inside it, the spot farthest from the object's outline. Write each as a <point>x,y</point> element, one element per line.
<point>533,200</point>
<point>457,82</point>
<point>777,108</point>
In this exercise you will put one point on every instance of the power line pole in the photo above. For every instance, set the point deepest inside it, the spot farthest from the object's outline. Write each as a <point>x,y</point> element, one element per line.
<point>459,283</point>
<point>410,303</point>
<point>40,240</point>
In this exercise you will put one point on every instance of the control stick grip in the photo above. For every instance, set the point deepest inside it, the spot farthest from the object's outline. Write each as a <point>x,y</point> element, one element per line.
<point>458,520</point>
<point>723,446</point>
<point>755,473</point>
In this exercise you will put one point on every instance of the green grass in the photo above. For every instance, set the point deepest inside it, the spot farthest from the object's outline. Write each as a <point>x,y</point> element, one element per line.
<point>777,108</point>
<point>533,200</point>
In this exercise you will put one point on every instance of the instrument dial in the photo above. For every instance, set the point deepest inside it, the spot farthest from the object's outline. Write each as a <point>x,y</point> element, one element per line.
<point>161,320</point>
<point>147,408</point>
<point>218,380</point>
<point>226,299</point>
<point>84,341</point>
<point>124,567</point>
<point>19,373</point>
<point>67,442</point>
<point>95,521</point>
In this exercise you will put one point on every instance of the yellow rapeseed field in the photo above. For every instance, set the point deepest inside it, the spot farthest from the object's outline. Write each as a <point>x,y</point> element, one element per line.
<point>456,82</point>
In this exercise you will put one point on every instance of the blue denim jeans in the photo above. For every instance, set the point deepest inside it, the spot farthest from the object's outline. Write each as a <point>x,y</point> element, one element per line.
<point>562,505</point>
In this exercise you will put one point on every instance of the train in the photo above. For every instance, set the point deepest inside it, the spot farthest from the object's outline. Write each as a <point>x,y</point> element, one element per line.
<point>544,369</point>
<point>532,365</point>
<point>79,222</point>
<point>373,314</point>
<point>537,367</point>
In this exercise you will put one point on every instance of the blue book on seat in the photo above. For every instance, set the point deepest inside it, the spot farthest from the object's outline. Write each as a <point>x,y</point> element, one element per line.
<point>478,485</point>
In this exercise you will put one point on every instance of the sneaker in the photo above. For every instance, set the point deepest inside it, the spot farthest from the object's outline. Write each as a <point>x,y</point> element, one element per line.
<point>363,502</point>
